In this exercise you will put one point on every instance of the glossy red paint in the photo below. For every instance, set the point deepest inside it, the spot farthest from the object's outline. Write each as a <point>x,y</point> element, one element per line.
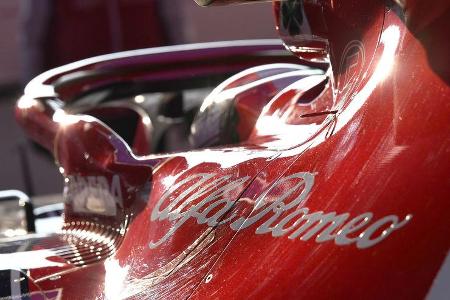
<point>229,113</point>
<point>361,143</point>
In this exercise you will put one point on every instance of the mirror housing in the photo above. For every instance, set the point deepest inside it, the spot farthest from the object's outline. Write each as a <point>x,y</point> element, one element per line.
<point>17,214</point>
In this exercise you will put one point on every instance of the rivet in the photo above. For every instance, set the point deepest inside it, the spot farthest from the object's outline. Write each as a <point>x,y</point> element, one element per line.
<point>208,278</point>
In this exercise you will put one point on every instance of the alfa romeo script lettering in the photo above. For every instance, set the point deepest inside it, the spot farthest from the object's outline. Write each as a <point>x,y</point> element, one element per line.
<point>284,216</point>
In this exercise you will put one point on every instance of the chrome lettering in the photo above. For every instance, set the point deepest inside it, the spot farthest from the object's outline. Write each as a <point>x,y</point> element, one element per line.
<point>306,180</point>
<point>366,239</point>
<point>218,189</point>
<point>207,199</point>
<point>313,224</point>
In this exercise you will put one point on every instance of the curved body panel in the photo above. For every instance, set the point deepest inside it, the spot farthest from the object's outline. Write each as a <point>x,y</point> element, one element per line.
<point>340,190</point>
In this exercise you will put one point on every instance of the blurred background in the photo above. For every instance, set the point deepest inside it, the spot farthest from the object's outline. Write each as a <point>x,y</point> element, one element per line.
<point>37,35</point>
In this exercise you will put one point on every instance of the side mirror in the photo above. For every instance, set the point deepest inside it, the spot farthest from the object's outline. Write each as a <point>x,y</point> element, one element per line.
<point>302,27</point>
<point>16,211</point>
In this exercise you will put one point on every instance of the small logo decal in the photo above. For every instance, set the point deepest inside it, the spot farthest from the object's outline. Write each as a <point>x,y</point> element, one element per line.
<point>351,66</point>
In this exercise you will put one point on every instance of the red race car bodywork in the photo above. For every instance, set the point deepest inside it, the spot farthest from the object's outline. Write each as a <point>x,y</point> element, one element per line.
<point>301,181</point>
